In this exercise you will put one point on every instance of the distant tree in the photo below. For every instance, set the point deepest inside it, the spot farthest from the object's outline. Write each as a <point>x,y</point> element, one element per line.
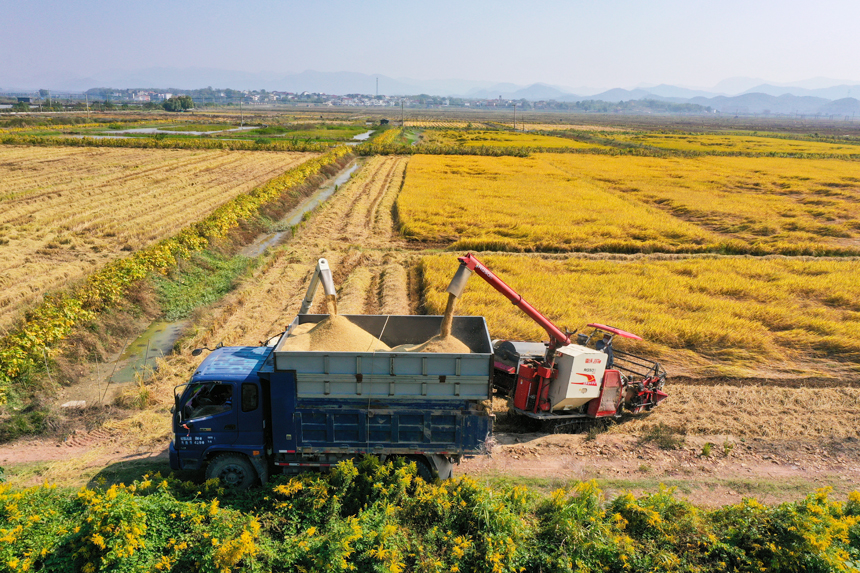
<point>178,103</point>
<point>44,93</point>
<point>21,106</point>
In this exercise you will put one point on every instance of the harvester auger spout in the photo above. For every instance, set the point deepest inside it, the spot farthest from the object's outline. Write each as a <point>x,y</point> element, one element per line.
<point>322,273</point>
<point>470,263</point>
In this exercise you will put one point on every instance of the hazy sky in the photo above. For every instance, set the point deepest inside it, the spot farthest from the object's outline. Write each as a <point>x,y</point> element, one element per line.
<point>609,43</point>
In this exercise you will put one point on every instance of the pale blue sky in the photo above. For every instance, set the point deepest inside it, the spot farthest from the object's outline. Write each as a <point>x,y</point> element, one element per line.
<point>610,43</point>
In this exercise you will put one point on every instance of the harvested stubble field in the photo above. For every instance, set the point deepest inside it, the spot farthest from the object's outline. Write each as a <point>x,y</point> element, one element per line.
<point>66,211</point>
<point>738,143</point>
<point>598,203</point>
<point>473,138</point>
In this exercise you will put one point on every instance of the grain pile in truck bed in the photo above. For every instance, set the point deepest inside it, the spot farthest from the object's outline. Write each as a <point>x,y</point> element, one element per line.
<point>333,334</point>
<point>440,344</point>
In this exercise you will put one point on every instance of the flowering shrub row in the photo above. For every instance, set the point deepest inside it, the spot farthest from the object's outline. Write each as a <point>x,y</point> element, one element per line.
<point>373,517</point>
<point>22,350</point>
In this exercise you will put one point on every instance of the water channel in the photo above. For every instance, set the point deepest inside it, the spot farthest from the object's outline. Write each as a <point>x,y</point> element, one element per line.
<point>158,340</point>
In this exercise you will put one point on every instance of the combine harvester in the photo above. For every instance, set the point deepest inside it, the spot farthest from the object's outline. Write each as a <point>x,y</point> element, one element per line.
<point>562,385</point>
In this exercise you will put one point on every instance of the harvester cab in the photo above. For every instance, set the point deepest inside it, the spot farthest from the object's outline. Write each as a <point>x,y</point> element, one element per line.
<point>562,381</point>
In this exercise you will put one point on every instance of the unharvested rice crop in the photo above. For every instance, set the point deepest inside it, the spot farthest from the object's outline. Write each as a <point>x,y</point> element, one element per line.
<point>703,316</point>
<point>762,204</point>
<point>526,204</point>
<point>474,138</point>
<point>448,124</point>
<point>66,211</point>
<point>592,203</point>
<point>564,127</point>
<point>737,143</point>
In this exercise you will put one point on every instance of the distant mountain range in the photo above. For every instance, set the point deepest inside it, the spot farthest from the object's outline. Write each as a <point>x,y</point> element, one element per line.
<point>733,95</point>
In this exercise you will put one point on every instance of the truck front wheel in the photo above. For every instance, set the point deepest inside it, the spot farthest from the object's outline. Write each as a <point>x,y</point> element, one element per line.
<point>234,470</point>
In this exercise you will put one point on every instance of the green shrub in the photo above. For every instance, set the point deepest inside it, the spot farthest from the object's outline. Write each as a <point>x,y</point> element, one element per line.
<point>368,516</point>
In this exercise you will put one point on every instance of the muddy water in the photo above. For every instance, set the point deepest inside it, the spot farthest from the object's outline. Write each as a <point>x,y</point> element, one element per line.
<point>155,342</point>
<point>294,217</point>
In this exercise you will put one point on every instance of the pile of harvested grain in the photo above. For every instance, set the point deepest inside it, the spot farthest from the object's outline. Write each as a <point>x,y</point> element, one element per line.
<point>333,334</point>
<point>443,344</point>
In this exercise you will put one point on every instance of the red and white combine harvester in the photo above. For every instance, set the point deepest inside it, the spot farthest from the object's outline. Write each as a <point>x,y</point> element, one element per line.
<point>562,383</point>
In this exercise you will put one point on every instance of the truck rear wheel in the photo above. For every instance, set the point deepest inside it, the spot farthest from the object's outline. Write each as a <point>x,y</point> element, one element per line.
<point>234,471</point>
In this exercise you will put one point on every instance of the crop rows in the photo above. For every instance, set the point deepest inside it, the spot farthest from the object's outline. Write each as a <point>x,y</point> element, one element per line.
<point>473,138</point>
<point>710,143</point>
<point>67,211</point>
<point>739,317</point>
<point>599,203</point>
<point>52,321</point>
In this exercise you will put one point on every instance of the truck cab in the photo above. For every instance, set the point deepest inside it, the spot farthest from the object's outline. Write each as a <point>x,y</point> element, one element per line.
<point>219,419</point>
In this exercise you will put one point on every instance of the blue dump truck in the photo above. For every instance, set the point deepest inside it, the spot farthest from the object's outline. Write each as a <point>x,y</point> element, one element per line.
<point>250,412</point>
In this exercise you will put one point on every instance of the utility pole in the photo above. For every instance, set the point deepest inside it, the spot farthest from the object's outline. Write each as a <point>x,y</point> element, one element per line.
<point>241,117</point>
<point>515,116</point>
<point>402,124</point>
<point>377,87</point>
<point>87,98</point>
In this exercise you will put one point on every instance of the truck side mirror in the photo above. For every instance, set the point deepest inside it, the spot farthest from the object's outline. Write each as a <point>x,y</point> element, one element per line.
<point>197,352</point>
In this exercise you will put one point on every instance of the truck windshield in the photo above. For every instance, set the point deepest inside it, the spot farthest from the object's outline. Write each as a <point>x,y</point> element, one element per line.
<point>207,399</point>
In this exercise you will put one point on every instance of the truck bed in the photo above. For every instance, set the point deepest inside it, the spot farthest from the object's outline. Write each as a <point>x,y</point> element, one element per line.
<point>329,403</point>
<point>395,375</point>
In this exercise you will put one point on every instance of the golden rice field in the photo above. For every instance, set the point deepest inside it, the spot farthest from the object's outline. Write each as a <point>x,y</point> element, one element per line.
<point>528,126</point>
<point>600,203</point>
<point>476,138</point>
<point>526,204</point>
<point>709,143</point>
<point>66,211</point>
<point>702,316</point>
<point>771,204</point>
<point>448,124</point>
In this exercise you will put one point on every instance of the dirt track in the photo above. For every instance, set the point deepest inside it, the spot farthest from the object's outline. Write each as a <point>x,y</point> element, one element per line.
<point>777,452</point>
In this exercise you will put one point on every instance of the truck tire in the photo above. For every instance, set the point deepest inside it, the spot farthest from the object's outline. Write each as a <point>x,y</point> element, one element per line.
<point>234,471</point>
<point>425,471</point>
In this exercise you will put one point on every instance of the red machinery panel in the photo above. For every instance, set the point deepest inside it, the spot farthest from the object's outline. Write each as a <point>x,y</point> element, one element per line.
<point>610,396</point>
<point>526,387</point>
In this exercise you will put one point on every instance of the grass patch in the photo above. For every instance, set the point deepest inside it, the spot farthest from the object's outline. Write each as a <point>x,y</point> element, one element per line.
<point>198,281</point>
<point>663,437</point>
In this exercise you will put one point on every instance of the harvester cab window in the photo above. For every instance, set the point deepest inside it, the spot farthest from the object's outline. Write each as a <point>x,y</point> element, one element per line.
<point>605,345</point>
<point>207,399</point>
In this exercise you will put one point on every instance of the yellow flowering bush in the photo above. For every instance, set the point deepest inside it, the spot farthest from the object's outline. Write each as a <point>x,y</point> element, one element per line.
<point>369,516</point>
